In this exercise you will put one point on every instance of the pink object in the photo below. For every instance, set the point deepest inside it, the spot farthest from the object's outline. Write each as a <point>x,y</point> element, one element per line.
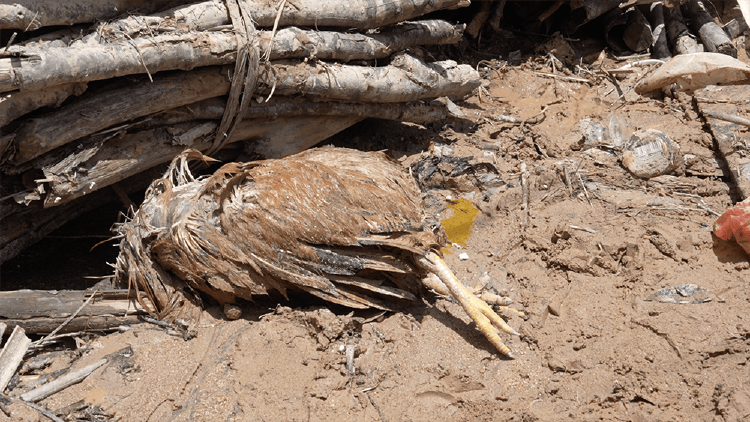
<point>735,224</point>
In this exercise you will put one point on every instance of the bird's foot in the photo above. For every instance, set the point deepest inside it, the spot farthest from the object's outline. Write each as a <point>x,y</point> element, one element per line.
<point>478,308</point>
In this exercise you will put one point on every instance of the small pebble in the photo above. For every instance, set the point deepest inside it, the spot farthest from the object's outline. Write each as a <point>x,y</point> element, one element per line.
<point>463,256</point>
<point>232,312</point>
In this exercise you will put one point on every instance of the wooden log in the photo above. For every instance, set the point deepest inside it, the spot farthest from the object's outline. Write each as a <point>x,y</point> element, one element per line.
<point>713,37</point>
<point>59,384</point>
<point>213,109</point>
<point>479,19</point>
<point>637,33</point>
<point>30,15</point>
<point>678,34</point>
<point>659,44</point>
<point>352,14</point>
<point>40,68</point>
<point>496,16</point>
<point>44,65</point>
<point>406,79</point>
<point>293,42</point>
<point>133,153</point>
<point>12,355</point>
<point>117,104</point>
<point>41,311</point>
<point>16,104</point>
<point>586,11</point>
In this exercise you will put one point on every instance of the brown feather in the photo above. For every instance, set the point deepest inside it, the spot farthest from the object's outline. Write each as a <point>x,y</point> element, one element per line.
<point>334,222</point>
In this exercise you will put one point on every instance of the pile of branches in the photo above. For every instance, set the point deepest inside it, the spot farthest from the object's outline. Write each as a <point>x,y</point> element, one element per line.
<point>107,99</point>
<point>661,28</point>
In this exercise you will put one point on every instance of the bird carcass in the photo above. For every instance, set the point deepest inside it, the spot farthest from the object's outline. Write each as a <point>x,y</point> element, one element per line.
<point>343,225</point>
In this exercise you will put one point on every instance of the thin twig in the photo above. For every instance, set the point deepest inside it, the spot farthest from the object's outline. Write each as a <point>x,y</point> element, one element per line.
<point>41,410</point>
<point>143,62</point>
<point>375,405</point>
<point>565,78</point>
<point>267,56</point>
<point>70,318</point>
<point>727,117</point>
<point>585,191</point>
<point>10,41</point>
<point>525,186</point>
<point>706,208</point>
<point>32,21</point>
<point>585,229</point>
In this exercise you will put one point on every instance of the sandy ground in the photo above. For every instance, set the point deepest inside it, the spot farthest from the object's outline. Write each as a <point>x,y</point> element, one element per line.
<point>584,264</point>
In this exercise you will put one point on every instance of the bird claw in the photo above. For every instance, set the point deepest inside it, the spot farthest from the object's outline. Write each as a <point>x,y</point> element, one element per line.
<point>477,308</point>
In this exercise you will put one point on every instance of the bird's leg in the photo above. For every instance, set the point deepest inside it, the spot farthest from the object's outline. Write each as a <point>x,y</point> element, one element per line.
<point>478,309</point>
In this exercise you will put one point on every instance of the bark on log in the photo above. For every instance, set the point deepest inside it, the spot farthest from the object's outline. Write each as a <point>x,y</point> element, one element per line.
<point>713,37</point>
<point>680,38</point>
<point>16,104</point>
<point>30,15</point>
<point>406,79</point>
<point>44,66</point>
<point>40,312</point>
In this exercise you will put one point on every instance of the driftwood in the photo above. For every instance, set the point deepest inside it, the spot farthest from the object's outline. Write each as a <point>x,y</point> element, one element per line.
<point>714,38</point>
<point>406,79</point>
<point>12,355</point>
<point>41,312</point>
<point>43,66</point>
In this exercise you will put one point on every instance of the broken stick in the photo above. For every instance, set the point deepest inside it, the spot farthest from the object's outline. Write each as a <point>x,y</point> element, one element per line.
<point>61,383</point>
<point>12,355</point>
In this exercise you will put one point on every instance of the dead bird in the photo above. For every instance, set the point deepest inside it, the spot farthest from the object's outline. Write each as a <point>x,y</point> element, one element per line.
<point>341,224</point>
